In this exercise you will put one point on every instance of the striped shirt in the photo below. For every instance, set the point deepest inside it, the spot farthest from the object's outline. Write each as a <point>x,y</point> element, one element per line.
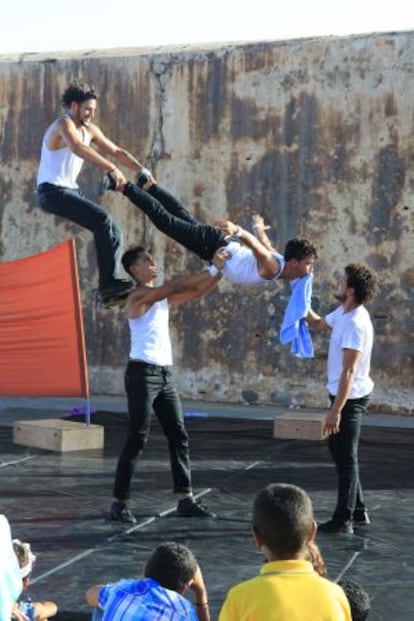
<point>143,600</point>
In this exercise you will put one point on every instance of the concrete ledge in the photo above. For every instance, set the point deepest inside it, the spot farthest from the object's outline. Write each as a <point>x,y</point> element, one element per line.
<point>58,435</point>
<point>299,425</point>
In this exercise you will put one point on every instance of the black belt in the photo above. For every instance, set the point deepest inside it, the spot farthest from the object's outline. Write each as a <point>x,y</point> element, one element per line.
<point>148,365</point>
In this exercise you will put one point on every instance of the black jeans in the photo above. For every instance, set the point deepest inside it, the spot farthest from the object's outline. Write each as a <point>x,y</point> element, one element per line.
<point>151,388</point>
<point>173,219</point>
<point>72,205</point>
<point>344,451</point>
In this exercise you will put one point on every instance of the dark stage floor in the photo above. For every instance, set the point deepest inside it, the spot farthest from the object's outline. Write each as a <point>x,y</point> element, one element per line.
<point>58,503</point>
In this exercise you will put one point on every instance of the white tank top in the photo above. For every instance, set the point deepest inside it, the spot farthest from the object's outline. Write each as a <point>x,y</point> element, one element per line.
<point>60,167</point>
<point>241,268</point>
<point>150,336</point>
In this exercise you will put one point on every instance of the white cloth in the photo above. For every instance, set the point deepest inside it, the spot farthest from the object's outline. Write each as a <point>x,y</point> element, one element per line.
<point>150,336</point>
<point>241,268</point>
<point>352,330</point>
<point>10,579</point>
<point>60,167</point>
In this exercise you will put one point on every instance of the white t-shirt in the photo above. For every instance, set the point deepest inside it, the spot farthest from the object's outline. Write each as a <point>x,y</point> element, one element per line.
<point>241,268</point>
<point>352,330</point>
<point>150,336</point>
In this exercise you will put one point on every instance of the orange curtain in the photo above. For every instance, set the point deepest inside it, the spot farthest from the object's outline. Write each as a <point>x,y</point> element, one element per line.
<point>42,344</point>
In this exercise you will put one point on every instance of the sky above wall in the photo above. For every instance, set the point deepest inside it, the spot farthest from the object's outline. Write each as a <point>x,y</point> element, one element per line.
<point>50,26</point>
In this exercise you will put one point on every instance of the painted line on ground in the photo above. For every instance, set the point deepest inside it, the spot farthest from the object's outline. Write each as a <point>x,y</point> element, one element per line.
<point>127,531</point>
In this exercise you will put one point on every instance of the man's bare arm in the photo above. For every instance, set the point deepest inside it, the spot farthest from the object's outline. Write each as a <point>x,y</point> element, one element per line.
<point>317,322</point>
<point>71,137</point>
<point>333,419</point>
<point>260,228</point>
<point>268,265</point>
<point>177,290</point>
<point>124,157</point>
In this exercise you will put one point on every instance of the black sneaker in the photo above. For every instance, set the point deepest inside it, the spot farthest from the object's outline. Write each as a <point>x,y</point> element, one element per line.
<point>107,183</point>
<point>144,180</point>
<point>120,513</point>
<point>361,517</point>
<point>189,507</point>
<point>117,288</point>
<point>334,527</point>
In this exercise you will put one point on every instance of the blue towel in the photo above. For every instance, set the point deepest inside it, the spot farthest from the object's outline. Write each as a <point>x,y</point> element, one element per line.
<point>294,326</point>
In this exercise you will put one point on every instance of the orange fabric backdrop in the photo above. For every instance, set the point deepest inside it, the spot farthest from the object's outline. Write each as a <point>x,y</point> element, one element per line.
<point>42,344</point>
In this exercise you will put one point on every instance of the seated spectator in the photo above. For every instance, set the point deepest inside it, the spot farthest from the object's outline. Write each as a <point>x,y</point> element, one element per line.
<point>34,611</point>
<point>358,598</point>
<point>10,581</point>
<point>287,587</point>
<point>314,555</point>
<point>171,570</point>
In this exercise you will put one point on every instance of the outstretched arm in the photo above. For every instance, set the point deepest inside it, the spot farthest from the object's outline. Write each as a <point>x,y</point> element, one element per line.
<point>124,157</point>
<point>260,228</point>
<point>268,265</point>
<point>194,286</point>
<point>177,290</point>
<point>317,322</point>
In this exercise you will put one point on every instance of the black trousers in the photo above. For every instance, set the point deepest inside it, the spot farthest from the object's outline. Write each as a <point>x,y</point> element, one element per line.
<point>173,219</point>
<point>151,388</point>
<point>344,450</point>
<point>72,205</point>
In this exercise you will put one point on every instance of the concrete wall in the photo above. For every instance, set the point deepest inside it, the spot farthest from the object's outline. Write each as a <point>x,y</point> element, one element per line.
<point>315,134</point>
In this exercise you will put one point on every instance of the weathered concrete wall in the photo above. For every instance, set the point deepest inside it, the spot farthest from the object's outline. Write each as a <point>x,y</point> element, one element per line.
<point>315,134</point>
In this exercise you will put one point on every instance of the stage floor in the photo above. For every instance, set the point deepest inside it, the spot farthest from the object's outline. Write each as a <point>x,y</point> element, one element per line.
<point>58,502</point>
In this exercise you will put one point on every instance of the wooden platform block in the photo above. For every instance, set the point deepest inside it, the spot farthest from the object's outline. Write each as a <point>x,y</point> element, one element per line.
<point>299,425</point>
<point>58,435</point>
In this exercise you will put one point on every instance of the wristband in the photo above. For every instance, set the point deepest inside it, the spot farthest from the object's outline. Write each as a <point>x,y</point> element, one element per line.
<point>238,231</point>
<point>145,171</point>
<point>201,604</point>
<point>213,270</point>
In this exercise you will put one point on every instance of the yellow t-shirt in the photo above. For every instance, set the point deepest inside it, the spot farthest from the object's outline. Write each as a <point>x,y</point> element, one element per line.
<point>286,590</point>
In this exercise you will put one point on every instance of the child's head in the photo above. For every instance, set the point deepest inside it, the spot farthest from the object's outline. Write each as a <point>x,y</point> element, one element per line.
<point>173,565</point>
<point>283,520</point>
<point>25,557</point>
<point>359,600</point>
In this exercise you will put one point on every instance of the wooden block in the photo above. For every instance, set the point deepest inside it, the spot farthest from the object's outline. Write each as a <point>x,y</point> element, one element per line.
<point>58,435</point>
<point>299,425</point>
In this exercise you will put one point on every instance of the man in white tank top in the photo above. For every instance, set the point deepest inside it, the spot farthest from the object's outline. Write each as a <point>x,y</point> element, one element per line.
<point>67,143</point>
<point>250,259</point>
<point>149,382</point>
<point>349,387</point>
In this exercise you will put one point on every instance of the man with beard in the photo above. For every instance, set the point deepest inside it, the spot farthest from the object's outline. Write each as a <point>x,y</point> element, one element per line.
<point>67,143</point>
<point>350,387</point>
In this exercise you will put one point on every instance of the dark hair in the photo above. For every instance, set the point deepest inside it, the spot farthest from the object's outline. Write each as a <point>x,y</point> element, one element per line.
<point>299,248</point>
<point>172,564</point>
<point>77,92</point>
<point>283,518</point>
<point>358,598</point>
<point>130,256</point>
<point>362,280</point>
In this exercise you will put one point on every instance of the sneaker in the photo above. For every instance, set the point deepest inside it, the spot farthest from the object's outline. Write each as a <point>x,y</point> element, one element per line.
<point>117,288</point>
<point>120,513</point>
<point>144,179</point>
<point>361,517</point>
<point>189,507</point>
<point>107,183</point>
<point>334,527</point>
